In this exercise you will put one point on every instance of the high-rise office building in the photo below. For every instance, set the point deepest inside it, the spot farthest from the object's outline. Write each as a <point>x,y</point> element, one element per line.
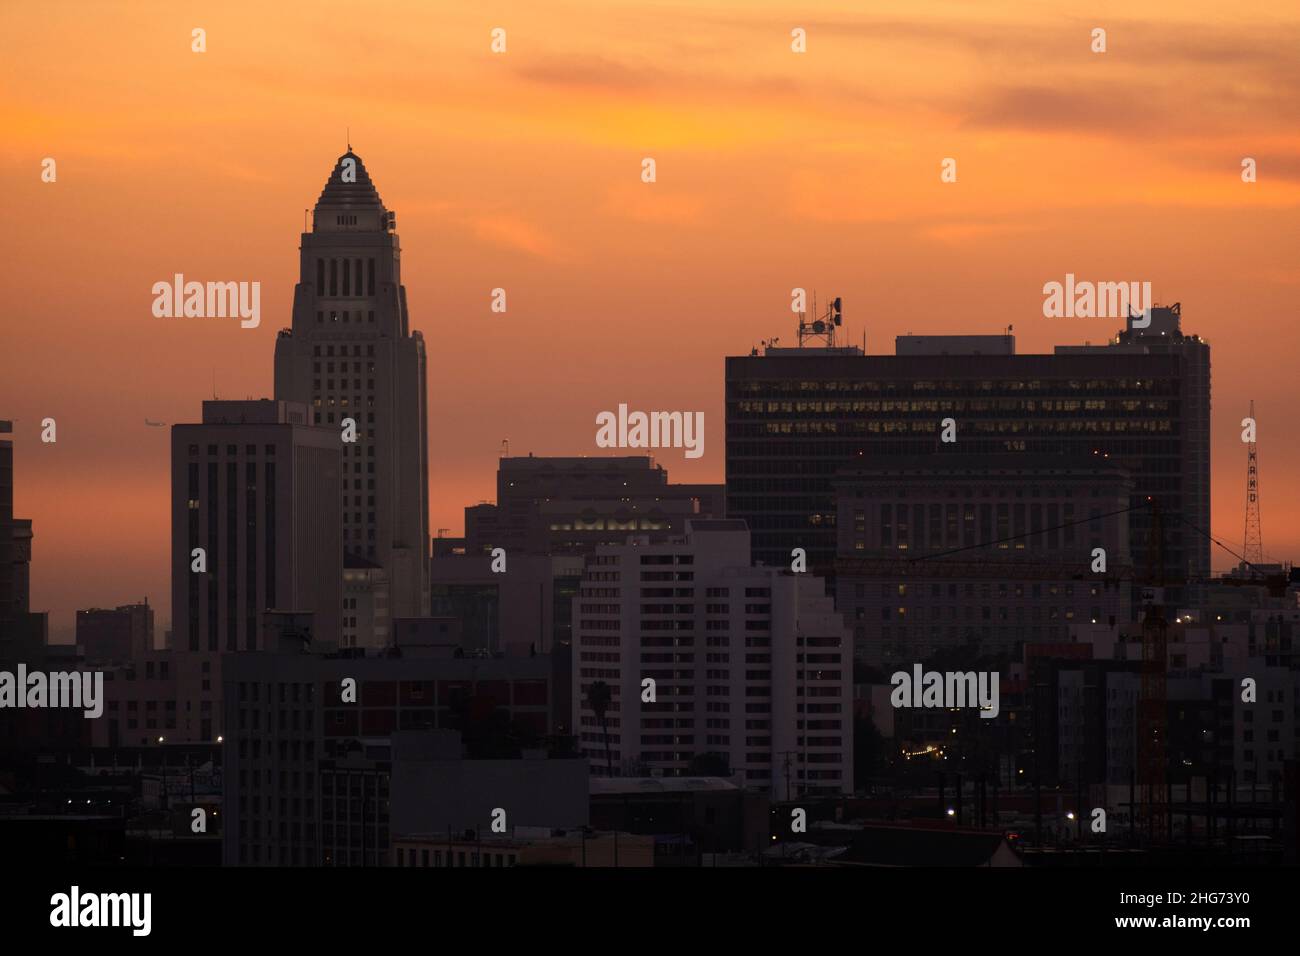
<point>1164,336</point>
<point>555,505</point>
<point>9,597</point>
<point>798,416</point>
<point>752,668</point>
<point>22,633</point>
<point>912,579</point>
<point>351,354</point>
<point>254,486</point>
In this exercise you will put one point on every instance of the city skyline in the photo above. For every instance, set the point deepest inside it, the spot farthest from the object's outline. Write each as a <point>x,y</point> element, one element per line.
<point>849,202</point>
<point>697,436</point>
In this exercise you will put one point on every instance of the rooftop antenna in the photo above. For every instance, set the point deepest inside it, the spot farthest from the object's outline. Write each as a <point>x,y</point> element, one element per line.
<point>823,325</point>
<point>505,448</point>
<point>349,129</point>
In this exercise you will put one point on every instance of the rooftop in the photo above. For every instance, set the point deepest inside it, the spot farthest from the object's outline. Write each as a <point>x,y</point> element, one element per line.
<point>339,194</point>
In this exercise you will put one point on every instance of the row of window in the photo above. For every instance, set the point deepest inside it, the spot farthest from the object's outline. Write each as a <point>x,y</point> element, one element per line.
<point>343,367</point>
<point>328,351</point>
<point>986,613</point>
<point>345,277</point>
<point>231,450</point>
<point>860,407</point>
<point>1010,387</point>
<point>412,857</point>
<point>1086,426</point>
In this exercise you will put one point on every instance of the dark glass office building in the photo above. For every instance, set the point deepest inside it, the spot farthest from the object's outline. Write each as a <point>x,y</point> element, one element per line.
<point>796,417</point>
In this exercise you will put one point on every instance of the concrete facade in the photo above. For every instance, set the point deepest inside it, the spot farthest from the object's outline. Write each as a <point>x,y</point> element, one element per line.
<point>753,664</point>
<point>351,354</point>
<point>252,486</point>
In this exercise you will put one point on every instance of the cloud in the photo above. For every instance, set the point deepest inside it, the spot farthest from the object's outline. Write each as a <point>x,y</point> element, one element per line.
<point>510,232</point>
<point>644,203</point>
<point>958,232</point>
<point>843,196</point>
<point>1099,109</point>
<point>1136,106</point>
<point>589,72</point>
<point>598,74</point>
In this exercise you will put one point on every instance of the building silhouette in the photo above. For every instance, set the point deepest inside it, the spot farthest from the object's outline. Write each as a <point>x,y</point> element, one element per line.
<point>912,578</point>
<point>308,773</point>
<point>557,505</point>
<point>115,634</point>
<point>21,631</point>
<point>1164,336</point>
<point>798,416</point>
<point>351,354</point>
<point>253,486</point>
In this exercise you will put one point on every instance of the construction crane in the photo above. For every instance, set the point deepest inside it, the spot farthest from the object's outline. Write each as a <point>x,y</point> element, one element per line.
<point>1153,700</point>
<point>1151,770</point>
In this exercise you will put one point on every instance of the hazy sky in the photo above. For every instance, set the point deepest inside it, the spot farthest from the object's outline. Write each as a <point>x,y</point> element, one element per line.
<point>522,170</point>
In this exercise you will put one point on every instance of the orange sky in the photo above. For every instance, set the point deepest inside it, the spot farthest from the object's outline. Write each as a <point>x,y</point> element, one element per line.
<point>522,171</point>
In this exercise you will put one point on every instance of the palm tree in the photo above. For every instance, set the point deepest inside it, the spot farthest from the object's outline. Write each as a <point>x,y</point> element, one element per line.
<point>598,697</point>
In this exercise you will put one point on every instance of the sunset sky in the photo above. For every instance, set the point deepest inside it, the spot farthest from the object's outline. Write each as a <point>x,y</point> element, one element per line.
<point>522,170</point>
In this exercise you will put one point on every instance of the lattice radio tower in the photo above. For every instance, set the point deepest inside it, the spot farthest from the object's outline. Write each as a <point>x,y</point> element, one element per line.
<point>1253,548</point>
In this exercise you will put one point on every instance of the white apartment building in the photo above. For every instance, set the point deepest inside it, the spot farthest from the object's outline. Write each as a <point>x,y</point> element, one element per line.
<point>750,664</point>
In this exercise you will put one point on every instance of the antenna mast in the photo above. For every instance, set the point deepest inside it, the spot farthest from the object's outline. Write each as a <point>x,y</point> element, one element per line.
<point>823,326</point>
